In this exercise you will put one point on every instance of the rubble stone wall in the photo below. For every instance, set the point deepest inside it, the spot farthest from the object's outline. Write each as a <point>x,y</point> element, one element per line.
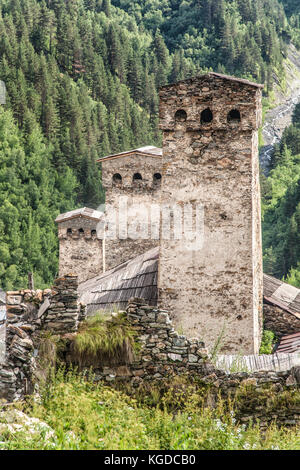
<point>280,321</point>
<point>164,354</point>
<point>28,313</point>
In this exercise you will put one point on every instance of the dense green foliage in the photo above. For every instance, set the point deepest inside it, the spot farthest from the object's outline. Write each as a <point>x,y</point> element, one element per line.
<point>82,79</point>
<point>241,37</point>
<point>267,342</point>
<point>281,207</point>
<point>292,9</point>
<point>85,416</point>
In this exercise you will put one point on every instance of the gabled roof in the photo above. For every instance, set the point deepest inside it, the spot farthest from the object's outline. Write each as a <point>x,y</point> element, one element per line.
<point>138,278</point>
<point>82,212</point>
<point>148,151</point>
<point>135,278</point>
<point>217,75</point>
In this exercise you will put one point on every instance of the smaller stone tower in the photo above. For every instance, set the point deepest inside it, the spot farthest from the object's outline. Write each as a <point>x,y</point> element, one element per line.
<point>132,182</point>
<point>80,243</point>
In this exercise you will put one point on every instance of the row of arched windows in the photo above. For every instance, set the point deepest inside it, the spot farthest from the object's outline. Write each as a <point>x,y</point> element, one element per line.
<point>80,231</point>
<point>137,177</point>
<point>207,116</point>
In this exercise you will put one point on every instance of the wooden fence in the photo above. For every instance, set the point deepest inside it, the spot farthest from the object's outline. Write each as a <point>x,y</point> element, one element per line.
<point>277,362</point>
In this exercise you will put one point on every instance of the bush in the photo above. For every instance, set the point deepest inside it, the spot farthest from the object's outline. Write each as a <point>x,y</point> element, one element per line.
<point>84,415</point>
<point>267,342</point>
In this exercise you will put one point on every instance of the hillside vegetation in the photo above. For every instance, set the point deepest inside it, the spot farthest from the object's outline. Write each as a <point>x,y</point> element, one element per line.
<point>281,207</point>
<point>82,79</point>
<point>75,414</point>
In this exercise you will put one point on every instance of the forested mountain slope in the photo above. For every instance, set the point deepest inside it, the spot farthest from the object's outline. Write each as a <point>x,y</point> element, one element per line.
<point>82,79</point>
<point>281,207</point>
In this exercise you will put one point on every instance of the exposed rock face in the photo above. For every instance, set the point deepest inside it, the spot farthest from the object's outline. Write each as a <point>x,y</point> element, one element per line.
<point>131,199</point>
<point>210,160</point>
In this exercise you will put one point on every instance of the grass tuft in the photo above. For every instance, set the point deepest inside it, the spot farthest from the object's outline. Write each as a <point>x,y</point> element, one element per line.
<point>103,339</point>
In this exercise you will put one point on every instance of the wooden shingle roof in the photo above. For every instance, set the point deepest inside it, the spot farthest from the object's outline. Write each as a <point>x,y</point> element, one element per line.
<point>135,278</point>
<point>138,278</point>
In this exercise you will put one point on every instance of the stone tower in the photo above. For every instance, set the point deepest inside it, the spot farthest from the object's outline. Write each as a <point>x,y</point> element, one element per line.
<point>210,161</point>
<point>80,243</point>
<point>132,183</point>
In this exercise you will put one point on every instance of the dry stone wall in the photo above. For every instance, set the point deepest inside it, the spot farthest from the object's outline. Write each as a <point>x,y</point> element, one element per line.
<point>279,321</point>
<point>164,354</point>
<point>28,313</point>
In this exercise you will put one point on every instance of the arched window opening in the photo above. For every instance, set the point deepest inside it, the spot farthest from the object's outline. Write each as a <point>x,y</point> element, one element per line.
<point>206,116</point>
<point>81,231</point>
<point>234,116</point>
<point>180,115</point>
<point>137,177</point>
<point>93,233</point>
<point>156,179</point>
<point>117,179</point>
<point>69,231</point>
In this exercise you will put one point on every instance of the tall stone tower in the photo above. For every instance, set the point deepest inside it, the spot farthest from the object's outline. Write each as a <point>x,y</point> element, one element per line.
<point>80,243</point>
<point>132,182</point>
<point>210,160</point>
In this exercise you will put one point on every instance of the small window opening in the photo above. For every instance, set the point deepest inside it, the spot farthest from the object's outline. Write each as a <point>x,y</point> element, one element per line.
<point>206,116</point>
<point>234,116</point>
<point>69,231</point>
<point>117,179</point>
<point>81,231</point>
<point>156,179</point>
<point>93,233</point>
<point>137,177</point>
<point>180,115</point>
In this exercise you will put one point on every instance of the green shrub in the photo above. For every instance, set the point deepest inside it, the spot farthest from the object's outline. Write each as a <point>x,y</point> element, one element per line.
<point>267,342</point>
<point>104,339</point>
<point>85,415</point>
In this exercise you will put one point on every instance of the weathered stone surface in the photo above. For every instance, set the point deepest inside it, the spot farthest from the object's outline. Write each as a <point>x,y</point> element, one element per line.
<point>281,322</point>
<point>80,247</point>
<point>213,165</point>
<point>133,197</point>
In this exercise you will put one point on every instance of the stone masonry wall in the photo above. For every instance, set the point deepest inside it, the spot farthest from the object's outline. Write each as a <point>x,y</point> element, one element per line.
<point>217,285</point>
<point>279,321</point>
<point>165,353</point>
<point>80,251</point>
<point>28,313</point>
<point>134,199</point>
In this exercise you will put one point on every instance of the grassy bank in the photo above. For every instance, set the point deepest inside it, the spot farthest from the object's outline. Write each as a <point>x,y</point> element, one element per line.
<point>81,415</point>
